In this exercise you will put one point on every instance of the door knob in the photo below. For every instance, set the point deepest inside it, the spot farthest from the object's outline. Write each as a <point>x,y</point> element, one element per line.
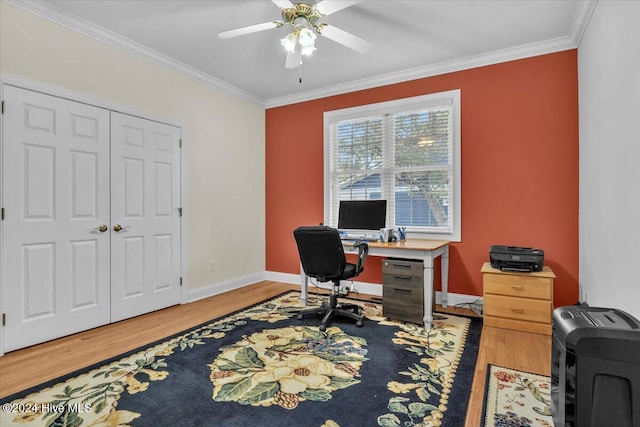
<point>103,228</point>
<point>117,228</point>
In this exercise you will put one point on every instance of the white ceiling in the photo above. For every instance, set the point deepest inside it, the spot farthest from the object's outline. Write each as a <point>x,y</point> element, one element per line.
<point>411,39</point>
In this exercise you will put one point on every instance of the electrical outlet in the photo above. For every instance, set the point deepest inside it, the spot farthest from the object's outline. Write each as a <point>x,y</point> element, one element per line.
<point>212,265</point>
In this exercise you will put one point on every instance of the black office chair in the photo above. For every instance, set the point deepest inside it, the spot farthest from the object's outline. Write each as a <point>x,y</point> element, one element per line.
<point>322,257</point>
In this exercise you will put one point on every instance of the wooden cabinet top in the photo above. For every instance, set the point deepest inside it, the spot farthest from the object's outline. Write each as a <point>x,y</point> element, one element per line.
<point>546,271</point>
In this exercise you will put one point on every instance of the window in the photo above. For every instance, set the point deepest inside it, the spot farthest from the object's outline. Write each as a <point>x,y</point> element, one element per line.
<point>405,151</point>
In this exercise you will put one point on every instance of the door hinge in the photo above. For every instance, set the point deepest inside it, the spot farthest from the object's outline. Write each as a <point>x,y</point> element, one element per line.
<point>2,214</point>
<point>181,281</point>
<point>2,107</point>
<point>4,319</point>
<point>180,144</point>
<point>180,212</point>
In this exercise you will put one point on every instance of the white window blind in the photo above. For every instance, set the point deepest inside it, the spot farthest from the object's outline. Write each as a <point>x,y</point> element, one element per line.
<point>404,151</point>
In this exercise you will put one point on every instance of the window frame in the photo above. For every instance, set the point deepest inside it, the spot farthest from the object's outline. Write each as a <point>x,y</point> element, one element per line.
<point>451,97</point>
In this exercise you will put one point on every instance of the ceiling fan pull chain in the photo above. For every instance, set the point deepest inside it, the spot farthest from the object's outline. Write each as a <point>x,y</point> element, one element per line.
<point>300,68</point>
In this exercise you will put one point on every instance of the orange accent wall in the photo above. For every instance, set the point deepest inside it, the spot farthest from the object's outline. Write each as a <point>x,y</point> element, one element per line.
<point>519,167</point>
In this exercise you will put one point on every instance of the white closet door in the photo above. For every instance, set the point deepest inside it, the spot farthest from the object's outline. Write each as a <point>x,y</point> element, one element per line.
<point>55,258</point>
<point>145,232</point>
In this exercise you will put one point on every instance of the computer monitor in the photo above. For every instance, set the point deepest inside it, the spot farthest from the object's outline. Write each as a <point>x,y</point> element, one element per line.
<point>362,215</point>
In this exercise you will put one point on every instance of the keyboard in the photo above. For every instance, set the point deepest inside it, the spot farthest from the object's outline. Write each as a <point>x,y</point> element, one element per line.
<point>359,239</point>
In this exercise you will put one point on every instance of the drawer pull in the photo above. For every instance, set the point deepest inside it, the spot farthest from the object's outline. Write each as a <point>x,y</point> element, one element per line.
<point>402,277</point>
<point>400,265</point>
<point>402,289</point>
<point>518,310</point>
<point>517,287</point>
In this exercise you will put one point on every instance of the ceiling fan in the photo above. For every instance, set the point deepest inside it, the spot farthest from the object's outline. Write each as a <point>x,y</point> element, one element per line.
<point>303,18</point>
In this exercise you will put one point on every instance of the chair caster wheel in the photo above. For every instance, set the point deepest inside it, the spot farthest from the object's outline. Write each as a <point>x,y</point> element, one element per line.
<point>322,328</point>
<point>359,324</point>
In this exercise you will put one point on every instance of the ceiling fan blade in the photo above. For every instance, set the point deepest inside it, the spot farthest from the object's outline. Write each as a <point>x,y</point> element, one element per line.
<point>293,58</point>
<point>345,38</point>
<point>247,30</point>
<point>327,7</point>
<point>283,4</point>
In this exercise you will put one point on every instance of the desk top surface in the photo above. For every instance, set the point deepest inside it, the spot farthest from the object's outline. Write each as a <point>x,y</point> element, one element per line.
<point>411,244</point>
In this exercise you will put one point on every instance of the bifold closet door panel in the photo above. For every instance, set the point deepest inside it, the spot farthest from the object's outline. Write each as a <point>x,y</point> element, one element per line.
<point>145,197</point>
<point>55,192</point>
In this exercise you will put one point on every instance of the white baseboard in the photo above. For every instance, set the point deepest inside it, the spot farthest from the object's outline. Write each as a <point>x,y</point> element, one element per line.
<point>455,299</point>
<point>294,279</point>
<point>362,287</point>
<point>221,287</point>
<point>276,276</point>
<point>373,288</point>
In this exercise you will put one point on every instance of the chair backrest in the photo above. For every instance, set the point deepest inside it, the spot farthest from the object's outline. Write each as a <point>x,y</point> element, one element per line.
<point>321,252</point>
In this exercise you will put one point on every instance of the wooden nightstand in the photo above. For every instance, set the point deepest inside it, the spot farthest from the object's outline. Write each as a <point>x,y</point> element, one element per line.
<point>520,301</point>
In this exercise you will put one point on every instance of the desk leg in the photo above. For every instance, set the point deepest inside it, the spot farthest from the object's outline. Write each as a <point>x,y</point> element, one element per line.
<point>428,290</point>
<point>304,280</point>
<point>444,267</point>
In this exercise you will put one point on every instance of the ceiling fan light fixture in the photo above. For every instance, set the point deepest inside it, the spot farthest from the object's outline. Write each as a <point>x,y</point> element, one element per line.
<point>307,40</point>
<point>289,42</point>
<point>302,36</point>
<point>307,50</point>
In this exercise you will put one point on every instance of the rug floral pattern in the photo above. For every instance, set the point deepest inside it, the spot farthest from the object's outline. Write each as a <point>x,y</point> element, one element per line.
<point>517,398</point>
<point>286,366</point>
<point>276,367</point>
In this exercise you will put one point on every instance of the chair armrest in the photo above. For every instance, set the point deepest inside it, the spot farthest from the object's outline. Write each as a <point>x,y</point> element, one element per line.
<point>363,251</point>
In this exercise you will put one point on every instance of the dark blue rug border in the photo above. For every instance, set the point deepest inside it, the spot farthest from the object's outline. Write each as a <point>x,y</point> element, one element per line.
<point>483,417</point>
<point>463,380</point>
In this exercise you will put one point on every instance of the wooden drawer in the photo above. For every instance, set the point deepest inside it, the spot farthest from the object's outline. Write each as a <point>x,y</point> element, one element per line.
<point>518,285</point>
<point>404,312</point>
<point>530,310</point>
<point>405,309</point>
<point>517,325</point>
<point>402,267</point>
<point>403,298</point>
<point>403,288</point>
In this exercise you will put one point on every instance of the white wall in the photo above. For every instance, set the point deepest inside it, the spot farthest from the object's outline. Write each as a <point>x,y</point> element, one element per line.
<point>224,161</point>
<point>609,91</point>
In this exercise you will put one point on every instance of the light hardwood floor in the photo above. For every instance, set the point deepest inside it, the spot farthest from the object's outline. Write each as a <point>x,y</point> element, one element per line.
<point>512,349</point>
<point>31,366</point>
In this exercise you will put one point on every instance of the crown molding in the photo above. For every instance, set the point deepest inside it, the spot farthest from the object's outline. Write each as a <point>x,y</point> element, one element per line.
<point>581,20</point>
<point>571,41</point>
<point>75,23</point>
<point>495,57</point>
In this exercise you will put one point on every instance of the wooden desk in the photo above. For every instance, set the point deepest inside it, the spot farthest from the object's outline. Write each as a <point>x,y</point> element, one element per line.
<point>425,250</point>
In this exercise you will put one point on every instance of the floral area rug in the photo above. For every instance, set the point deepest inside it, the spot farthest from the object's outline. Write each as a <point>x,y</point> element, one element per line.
<point>261,366</point>
<point>517,399</point>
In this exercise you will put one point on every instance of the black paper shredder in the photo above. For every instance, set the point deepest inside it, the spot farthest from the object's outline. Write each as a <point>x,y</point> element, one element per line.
<point>595,368</point>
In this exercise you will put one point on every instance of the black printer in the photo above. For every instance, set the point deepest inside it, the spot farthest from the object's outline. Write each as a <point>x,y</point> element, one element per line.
<point>515,258</point>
